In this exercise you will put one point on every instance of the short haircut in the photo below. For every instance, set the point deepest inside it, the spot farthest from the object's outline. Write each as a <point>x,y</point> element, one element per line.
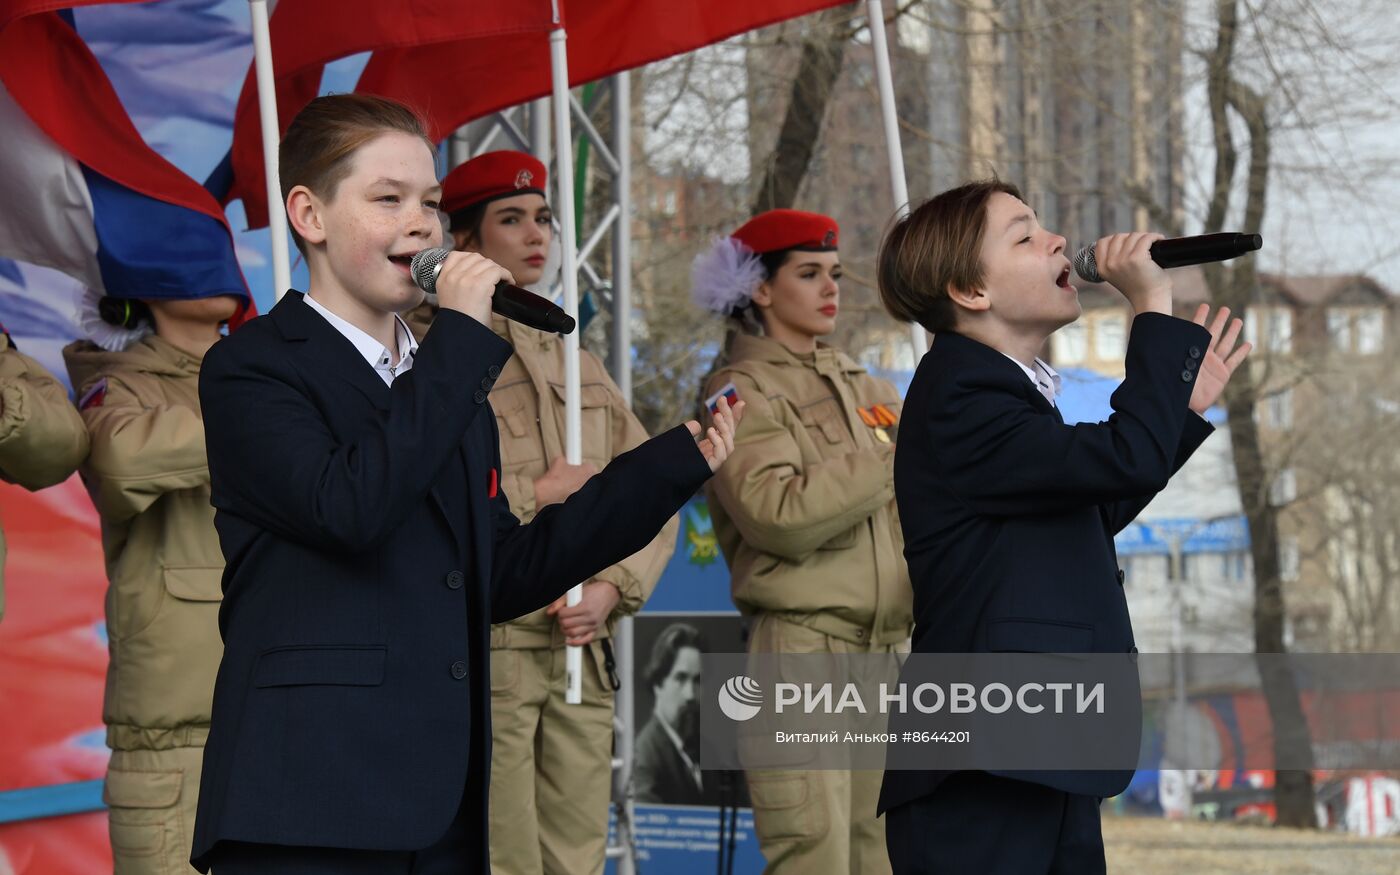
<point>668,644</point>
<point>935,248</point>
<point>321,141</point>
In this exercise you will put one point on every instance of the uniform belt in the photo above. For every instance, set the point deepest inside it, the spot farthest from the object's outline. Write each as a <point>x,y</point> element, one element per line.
<point>846,630</point>
<point>512,637</point>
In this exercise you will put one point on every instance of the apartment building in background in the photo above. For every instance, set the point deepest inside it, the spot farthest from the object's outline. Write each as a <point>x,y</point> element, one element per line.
<point>1328,405</point>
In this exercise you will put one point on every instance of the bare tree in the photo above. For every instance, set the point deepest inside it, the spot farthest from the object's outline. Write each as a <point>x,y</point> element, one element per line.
<point>762,104</point>
<point>1234,286</point>
<point>1350,518</point>
<point>823,49</point>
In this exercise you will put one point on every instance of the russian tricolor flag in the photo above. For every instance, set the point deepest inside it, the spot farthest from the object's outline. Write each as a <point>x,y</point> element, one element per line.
<point>81,190</point>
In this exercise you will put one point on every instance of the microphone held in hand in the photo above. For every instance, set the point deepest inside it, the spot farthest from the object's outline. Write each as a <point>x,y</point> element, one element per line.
<point>510,301</point>
<point>1179,252</point>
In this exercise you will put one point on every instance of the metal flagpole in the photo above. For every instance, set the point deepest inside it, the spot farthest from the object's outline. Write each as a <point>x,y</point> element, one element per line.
<point>539,129</point>
<point>875,15</point>
<point>622,374</point>
<point>271,132</point>
<point>564,174</point>
<point>622,235</point>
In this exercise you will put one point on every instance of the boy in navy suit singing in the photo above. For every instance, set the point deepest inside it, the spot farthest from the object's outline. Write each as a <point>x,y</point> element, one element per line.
<point>1009,513</point>
<point>355,477</point>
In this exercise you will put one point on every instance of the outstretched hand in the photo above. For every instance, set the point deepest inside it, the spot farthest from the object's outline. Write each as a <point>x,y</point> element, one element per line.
<point>1220,359</point>
<point>718,442</point>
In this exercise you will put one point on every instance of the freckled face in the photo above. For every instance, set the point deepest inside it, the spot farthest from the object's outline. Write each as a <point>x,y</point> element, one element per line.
<point>380,215</point>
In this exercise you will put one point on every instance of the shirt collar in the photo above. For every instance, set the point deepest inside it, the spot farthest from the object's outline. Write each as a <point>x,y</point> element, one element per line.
<point>375,353</point>
<point>1041,375</point>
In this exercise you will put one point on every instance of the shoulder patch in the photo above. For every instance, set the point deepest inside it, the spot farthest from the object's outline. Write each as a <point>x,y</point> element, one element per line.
<point>94,396</point>
<point>729,391</point>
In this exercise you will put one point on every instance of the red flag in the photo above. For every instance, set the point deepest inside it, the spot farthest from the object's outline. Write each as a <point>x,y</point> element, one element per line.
<point>605,37</point>
<point>307,34</point>
<point>453,80</point>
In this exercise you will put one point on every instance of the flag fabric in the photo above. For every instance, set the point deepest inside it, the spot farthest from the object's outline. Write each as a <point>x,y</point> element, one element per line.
<point>84,193</point>
<point>81,191</point>
<point>455,82</point>
<point>13,10</point>
<point>454,79</point>
<point>308,34</point>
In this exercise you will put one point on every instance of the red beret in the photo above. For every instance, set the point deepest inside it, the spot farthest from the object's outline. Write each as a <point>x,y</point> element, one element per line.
<point>776,230</point>
<point>490,176</point>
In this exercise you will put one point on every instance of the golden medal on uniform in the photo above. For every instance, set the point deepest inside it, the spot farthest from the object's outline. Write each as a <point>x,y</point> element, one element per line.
<point>881,420</point>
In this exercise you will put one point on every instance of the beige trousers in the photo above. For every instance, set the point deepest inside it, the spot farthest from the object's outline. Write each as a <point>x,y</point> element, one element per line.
<point>151,797</point>
<point>819,822</point>
<point>551,764</point>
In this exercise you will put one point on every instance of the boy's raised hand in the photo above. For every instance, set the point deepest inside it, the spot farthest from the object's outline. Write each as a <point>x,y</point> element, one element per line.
<point>718,442</point>
<point>1125,262</point>
<point>1221,358</point>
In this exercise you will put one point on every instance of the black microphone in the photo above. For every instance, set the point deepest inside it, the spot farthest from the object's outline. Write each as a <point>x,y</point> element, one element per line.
<point>510,301</point>
<point>1179,252</point>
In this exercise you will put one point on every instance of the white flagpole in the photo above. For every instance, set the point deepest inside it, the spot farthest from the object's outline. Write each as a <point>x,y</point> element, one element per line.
<point>564,176</point>
<point>875,15</point>
<point>271,131</point>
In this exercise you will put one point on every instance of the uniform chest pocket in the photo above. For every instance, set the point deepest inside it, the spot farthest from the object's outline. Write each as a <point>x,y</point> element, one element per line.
<point>826,426</point>
<point>514,424</point>
<point>514,405</point>
<point>594,401</point>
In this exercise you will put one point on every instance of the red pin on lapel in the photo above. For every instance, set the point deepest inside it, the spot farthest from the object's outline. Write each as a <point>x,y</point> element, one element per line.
<point>493,484</point>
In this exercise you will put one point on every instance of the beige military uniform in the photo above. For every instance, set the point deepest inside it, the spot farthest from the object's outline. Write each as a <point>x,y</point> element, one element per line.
<point>149,477</point>
<point>42,439</point>
<point>551,762</point>
<point>804,512</point>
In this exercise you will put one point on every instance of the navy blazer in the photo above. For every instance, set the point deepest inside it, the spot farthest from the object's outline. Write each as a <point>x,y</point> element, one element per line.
<point>369,548</point>
<point>1009,514</point>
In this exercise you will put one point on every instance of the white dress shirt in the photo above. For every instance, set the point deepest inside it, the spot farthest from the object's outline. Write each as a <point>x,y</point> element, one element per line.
<point>1045,378</point>
<point>376,354</point>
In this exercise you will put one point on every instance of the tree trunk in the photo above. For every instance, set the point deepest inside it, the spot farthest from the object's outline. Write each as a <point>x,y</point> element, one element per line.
<point>823,51</point>
<point>1233,287</point>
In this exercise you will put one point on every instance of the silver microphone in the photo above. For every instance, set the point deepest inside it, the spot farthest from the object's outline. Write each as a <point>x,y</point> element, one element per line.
<point>510,301</point>
<point>426,266</point>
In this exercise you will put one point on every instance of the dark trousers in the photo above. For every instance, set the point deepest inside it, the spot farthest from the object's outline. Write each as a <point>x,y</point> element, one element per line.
<point>452,854</point>
<point>976,822</point>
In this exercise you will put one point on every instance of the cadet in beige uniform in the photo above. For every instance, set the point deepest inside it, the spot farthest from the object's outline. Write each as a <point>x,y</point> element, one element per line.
<point>551,763</point>
<point>149,478</point>
<point>804,510</point>
<point>42,439</point>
